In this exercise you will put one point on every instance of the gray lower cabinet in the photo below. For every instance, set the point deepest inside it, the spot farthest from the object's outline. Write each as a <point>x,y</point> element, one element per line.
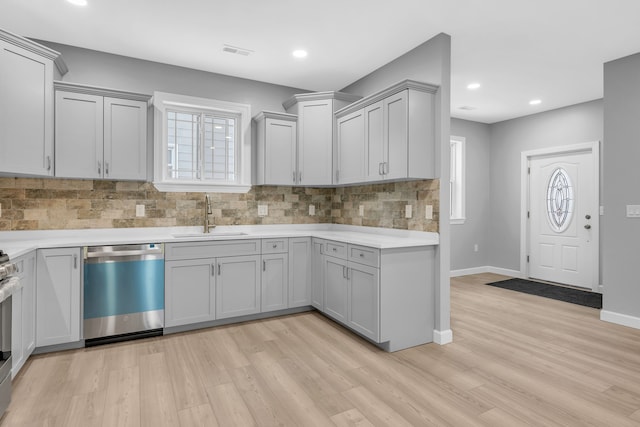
<point>299,272</point>
<point>23,312</point>
<point>237,286</point>
<point>364,300</point>
<point>275,281</point>
<point>190,295</point>
<point>58,296</point>
<point>335,288</point>
<point>351,285</point>
<point>317,273</point>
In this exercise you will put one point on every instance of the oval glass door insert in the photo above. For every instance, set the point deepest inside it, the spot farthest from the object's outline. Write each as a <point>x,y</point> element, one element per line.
<point>560,200</point>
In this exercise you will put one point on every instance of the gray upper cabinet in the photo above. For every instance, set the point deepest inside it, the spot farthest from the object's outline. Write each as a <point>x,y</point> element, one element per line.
<point>316,120</point>
<point>99,136</point>
<point>276,150</point>
<point>399,139</point>
<point>26,105</point>
<point>351,130</point>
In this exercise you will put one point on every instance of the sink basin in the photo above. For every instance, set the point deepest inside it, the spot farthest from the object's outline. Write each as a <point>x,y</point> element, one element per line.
<point>211,235</point>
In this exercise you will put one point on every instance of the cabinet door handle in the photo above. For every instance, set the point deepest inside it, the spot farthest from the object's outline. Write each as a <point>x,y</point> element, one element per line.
<point>334,249</point>
<point>106,168</point>
<point>75,262</point>
<point>300,177</point>
<point>321,249</point>
<point>99,168</point>
<point>264,265</point>
<point>344,272</point>
<point>348,273</point>
<point>275,246</point>
<point>219,270</point>
<point>48,163</point>
<point>213,269</point>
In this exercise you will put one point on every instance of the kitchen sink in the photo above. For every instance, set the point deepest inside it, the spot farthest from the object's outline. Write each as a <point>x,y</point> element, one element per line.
<point>211,235</point>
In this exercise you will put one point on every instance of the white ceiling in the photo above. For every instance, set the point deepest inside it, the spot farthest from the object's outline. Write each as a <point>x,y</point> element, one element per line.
<point>517,49</point>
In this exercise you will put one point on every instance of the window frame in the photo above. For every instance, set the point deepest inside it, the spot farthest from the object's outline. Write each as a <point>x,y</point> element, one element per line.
<point>165,102</point>
<point>457,183</point>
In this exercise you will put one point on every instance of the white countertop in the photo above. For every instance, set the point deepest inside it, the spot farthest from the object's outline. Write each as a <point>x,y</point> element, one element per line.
<point>18,243</point>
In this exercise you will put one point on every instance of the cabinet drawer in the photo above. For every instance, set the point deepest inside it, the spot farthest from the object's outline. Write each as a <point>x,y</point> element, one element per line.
<point>336,249</point>
<point>195,250</point>
<point>275,246</point>
<point>364,255</point>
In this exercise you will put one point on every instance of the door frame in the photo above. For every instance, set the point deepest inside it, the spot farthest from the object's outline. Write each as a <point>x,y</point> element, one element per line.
<point>525,156</point>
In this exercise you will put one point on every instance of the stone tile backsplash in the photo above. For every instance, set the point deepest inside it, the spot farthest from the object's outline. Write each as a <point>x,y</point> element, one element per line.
<point>47,204</point>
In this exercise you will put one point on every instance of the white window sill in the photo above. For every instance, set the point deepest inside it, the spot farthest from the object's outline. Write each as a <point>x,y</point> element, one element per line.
<point>457,221</point>
<point>200,187</point>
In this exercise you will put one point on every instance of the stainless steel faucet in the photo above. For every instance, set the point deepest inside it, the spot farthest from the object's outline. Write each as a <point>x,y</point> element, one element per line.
<point>207,212</point>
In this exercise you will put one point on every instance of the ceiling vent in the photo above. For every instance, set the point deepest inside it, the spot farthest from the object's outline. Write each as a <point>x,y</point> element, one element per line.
<point>467,107</point>
<point>236,50</point>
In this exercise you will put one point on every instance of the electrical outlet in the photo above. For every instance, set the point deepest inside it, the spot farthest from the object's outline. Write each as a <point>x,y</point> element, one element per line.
<point>428,212</point>
<point>263,210</point>
<point>361,210</point>
<point>312,210</point>
<point>139,210</point>
<point>408,211</point>
<point>633,211</point>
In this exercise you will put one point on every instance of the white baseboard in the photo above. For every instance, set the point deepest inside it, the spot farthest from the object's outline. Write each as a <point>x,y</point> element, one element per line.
<point>486,269</point>
<point>467,271</point>
<point>620,319</point>
<point>442,337</point>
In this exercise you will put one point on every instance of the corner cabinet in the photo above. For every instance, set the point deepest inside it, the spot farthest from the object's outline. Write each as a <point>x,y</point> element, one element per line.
<point>100,133</point>
<point>315,126</point>
<point>389,135</point>
<point>58,296</point>
<point>26,105</point>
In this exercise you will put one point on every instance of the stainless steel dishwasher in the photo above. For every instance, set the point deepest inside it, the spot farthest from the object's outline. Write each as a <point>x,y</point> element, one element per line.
<point>123,292</point>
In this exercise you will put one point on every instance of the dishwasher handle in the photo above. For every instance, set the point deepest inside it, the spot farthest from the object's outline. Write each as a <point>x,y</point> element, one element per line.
<point>108,251</point>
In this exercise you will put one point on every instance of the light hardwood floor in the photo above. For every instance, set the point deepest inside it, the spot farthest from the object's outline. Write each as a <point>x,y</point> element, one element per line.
<point>516,360</point>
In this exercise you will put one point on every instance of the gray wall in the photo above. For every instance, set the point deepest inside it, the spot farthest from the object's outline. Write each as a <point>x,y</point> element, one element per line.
<point>570,125</point>
<point>477,209</point>
<point>431,63</point>
<point>137,75</point>
<point>621,242</point>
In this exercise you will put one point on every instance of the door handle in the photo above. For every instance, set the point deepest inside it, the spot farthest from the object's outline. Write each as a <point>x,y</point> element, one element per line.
<point>106,168</point>
<point>264,265</point>
<point>587,226</point>
<point>99,168</point>
<point>75,262</point>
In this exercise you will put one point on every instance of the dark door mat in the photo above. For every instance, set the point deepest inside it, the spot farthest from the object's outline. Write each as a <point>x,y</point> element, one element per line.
<point>573,296</point>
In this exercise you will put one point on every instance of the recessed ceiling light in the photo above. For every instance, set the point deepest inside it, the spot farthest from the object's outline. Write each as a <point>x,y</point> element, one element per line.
<point>78,2</point>
<point>299,53</point>
<point>473,86</point>
<point>535,102</point>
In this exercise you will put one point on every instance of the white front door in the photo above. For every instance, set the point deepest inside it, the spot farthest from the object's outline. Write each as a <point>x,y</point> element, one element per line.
<point>563,219</point>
